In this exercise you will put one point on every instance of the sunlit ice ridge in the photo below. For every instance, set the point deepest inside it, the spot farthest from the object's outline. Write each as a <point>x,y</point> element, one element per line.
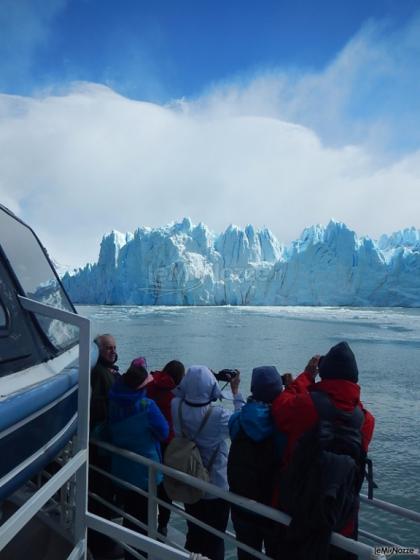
<point>187,264</point>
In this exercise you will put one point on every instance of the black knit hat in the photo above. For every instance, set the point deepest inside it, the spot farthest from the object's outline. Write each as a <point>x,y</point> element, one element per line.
<point>339,363</point>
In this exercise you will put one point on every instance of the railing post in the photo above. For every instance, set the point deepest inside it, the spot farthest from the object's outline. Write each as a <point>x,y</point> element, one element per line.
<point>80,531</point>
<point>82,440</point>
<point>152,506</point>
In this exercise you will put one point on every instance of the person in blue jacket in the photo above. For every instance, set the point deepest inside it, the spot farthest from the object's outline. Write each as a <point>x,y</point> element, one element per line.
<point>254,460</point>
<point>136,424</point>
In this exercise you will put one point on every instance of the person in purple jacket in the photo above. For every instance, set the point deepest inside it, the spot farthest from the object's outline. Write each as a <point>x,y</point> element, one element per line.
<point>196,394</point>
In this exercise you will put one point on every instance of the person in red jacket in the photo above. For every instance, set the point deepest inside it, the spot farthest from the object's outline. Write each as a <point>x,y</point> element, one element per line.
<point>161,390</point>
<point>294,411</point>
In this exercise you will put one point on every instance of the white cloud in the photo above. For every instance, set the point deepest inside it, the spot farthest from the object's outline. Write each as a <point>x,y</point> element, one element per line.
<point>88,161</point>
<point>79,165</point>
<point>368,94</point>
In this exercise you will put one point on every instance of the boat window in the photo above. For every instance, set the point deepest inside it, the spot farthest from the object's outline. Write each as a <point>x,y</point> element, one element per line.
<point>36,277</point>
<point>3,317</point>
<point>18,349</point>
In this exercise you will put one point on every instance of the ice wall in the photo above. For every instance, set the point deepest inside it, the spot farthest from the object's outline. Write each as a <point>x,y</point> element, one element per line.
<point>186,264</point>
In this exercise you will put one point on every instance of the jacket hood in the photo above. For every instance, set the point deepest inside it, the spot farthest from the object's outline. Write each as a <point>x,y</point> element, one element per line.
<point>199,386</point>
<point>255,419</point>
<point>345,394</point>
<point>339,363</point>
<point>266,383</point>
<point>122,393</point>
<point>163,381</point>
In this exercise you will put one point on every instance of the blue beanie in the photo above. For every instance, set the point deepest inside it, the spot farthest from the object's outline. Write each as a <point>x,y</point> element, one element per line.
<point>266,383</point>
<point>339,363</point>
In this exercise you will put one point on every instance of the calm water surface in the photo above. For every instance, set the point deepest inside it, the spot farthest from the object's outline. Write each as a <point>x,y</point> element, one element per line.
<point>387,347</point>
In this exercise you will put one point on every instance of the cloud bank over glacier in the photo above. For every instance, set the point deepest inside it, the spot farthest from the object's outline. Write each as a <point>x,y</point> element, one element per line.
<point>281,148</point>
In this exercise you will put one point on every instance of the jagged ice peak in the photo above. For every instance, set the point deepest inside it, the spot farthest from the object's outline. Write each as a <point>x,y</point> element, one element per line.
<point>187,264</point>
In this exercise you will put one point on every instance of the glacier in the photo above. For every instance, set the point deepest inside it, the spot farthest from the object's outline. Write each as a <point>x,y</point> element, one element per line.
<point>187,264</point>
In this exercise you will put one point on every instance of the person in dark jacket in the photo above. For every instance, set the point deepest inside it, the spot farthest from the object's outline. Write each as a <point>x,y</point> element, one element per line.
<point>161,391</point>
<point>136,424</point>
<point>254,460</point>
<point>103,376</point>
<point>295,413</point>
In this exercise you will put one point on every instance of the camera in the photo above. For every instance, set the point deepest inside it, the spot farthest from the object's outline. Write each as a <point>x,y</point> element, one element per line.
<point>226,375</point>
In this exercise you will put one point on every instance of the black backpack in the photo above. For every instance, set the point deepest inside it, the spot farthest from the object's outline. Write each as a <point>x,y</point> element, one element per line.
<point>252,467</point>
<point>320,487</point>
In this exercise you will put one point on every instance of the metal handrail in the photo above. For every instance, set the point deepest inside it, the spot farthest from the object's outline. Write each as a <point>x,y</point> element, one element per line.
<point>77,465</point>
<point>257,507</point>
<point>154,548</point>
<point>362,550</point>
<point>207,487</point>
<point>227,536</point>
<point>25,513</point>
<point>375,538</point>
<point>38,453</point>
<point>391,508</point>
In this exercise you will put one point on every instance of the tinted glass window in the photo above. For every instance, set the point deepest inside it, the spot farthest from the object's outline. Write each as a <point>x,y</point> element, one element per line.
<point>3,317</point>
<point>17,343</point>
<point>36,277</point>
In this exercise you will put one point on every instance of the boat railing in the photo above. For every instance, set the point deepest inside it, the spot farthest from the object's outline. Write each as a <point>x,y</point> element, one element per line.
<point>77,465</point>
<point>76,469</point>
<point>361,550</point>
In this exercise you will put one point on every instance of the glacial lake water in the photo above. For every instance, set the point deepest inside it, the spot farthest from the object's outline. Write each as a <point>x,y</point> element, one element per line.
<point>387,347</point>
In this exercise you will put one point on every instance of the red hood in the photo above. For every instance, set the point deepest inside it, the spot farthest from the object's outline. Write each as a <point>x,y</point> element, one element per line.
<point>345,394</point>
<point>163,380</point>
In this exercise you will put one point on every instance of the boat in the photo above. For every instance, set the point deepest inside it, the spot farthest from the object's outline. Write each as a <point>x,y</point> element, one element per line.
<point>38,389</point>
<point>46,356</point>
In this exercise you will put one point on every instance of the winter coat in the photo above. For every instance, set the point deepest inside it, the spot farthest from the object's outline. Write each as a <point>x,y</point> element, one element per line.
<point>256,421</point>
<point>101,381</point>
<point>294,412</point>
<point>254,461</point>
<point>161,391</point>
<point>198,390</point>
<point>135,424</point>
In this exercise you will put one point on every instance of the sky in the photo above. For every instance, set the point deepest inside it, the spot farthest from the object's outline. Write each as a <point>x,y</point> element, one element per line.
<point>115,115</point>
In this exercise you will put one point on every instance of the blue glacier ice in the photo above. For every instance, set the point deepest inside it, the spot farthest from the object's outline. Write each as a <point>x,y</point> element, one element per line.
<point>187,264</point>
